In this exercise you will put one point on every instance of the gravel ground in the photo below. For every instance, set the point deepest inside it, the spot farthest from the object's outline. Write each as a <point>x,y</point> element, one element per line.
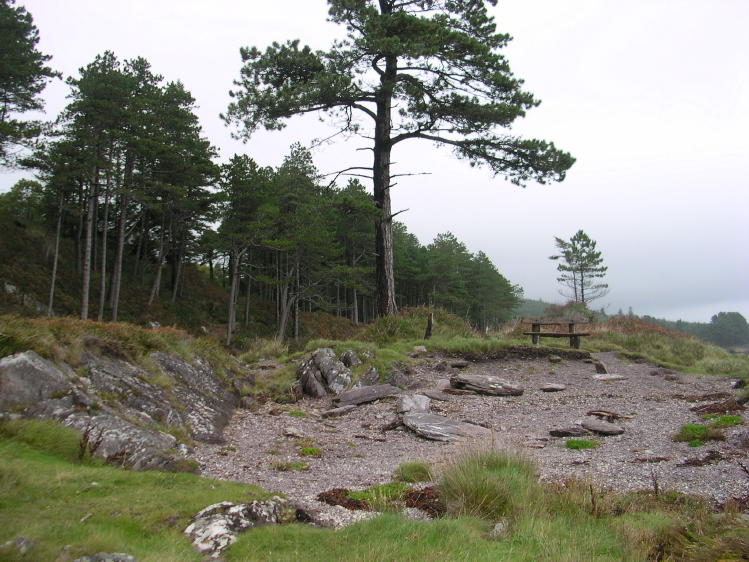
<point>357,453</point>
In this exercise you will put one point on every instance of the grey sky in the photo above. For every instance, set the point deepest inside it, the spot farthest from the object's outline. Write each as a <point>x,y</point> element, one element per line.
<point>650,96</point>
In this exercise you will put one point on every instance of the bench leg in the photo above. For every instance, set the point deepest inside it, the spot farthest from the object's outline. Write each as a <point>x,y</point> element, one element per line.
<point>535,339</point>
<point>575,342</point>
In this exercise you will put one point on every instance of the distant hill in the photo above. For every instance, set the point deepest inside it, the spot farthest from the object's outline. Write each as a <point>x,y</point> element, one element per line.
<point>531,308</point>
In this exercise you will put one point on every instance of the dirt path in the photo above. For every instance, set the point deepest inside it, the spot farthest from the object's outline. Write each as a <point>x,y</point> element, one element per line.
<point>357,453</point>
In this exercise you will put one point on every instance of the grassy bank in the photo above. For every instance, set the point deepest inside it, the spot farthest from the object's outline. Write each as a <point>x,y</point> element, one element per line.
<point>72,507</point>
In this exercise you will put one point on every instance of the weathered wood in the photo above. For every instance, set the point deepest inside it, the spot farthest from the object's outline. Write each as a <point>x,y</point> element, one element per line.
<point>366,394</point>
<point>485,384</point>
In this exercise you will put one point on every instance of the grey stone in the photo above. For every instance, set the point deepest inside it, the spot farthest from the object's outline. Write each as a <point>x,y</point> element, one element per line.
<point>420,349</point>
<point>311,379</point>
<point>440,428</point>
<point>436,395</point>
<point>216,527</point>
<point>459,363</point>
<point>602,427</point>
<point>555,359</point>
<point>336,375</point>
<point>371,377</point>
<point>107,557</point>
<point>500,530</point>
<point>573,431</point>
<point>366,394</point>
<point>27,378</point>
<point>553,387</point>
<point>608,378</point>
<point>338,412</point>
<point>412,403</point>
<point>120,442</point>
<point>322,372</point>
<point>20,544</point>
<point>600,367</point>
<point>152,325</point>
<point>350,359</point>
<point>398,378</point>
<point>485,384</point>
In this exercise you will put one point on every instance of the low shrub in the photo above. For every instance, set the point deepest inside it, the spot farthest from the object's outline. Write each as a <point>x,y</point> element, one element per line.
<point>291,466</point>
<point>310,452</point>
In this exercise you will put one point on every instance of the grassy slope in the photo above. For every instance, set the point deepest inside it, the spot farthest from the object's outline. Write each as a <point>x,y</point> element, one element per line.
<point>47,495</point>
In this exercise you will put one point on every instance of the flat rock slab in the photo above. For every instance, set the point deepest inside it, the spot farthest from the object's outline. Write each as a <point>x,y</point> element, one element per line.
<point>603,427</point>
<point>436,395</point>
<point>440,428</point>
<point>573,431</point>
<point>459,363</point>
<point>366,394</point>
<point>485,384</point>
<point>553,387</point>
<point>608,378</point>
<point>338,412</point>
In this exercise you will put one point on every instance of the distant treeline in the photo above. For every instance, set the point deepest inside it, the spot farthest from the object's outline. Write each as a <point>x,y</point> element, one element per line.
<point>725,328</point>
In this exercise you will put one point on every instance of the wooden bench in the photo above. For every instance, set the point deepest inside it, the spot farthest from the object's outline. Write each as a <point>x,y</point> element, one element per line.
<point>536,333</point>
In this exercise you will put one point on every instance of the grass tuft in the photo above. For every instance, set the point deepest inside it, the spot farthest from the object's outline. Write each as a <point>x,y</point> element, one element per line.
<point>693,432</point>
<point>414,471</point>
<point>581,444</point>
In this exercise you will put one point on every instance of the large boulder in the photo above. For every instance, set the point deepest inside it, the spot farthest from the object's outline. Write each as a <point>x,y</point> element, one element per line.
<point>440,428</point>
<point>27,378</point>
<point>485,384</point>
<point>322,373</point>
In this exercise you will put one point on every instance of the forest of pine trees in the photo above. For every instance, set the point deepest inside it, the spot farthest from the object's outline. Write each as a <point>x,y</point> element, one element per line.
<point>126,178</point>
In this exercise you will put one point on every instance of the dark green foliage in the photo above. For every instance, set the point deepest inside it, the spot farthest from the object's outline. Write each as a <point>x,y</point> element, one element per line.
<point>580,267</point>
<point>439,63</point>
<point>23,76</point>
<point>726,329</point>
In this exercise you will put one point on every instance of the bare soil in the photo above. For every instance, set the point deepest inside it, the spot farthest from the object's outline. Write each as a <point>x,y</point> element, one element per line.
<point>358,451</point>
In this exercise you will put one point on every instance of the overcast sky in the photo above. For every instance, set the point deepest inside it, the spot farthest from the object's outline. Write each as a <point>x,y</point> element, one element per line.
<point>650,96</point>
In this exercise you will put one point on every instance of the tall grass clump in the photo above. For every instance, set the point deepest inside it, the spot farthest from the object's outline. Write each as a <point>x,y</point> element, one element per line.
<point>490,485</point>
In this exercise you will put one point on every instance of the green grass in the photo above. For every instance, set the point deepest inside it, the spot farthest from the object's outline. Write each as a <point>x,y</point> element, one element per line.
<point>383,497</point>
<point>45,492</point>
<point>581,444</point>
<point>296,414</point>
<point>717,420</point>
<point>290,466</point>
<point>415,471</point>
<point>693,432</point>
<point>310,452</point>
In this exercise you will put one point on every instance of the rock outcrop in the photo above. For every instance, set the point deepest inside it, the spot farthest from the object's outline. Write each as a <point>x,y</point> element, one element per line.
<point>323,373</point>
<point>214,528</point>
<point>124,412</point>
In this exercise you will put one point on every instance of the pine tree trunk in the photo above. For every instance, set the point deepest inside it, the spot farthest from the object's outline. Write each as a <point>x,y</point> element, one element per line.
<point>104,237</point>
<point>234,260</point>
<point>159,267</point>
<point>86,281</point>
<point>384,278</point>
<point>249,292</point>
<point>114,301</point>
<point>58,229</point>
